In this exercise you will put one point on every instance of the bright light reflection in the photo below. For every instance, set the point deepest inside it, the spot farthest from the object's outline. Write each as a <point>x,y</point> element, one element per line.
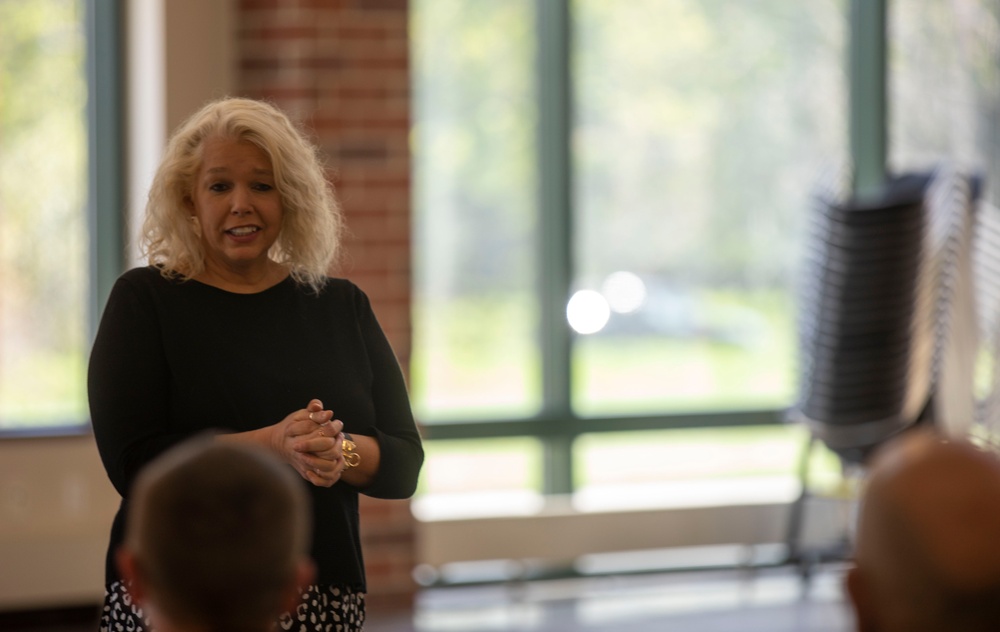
<point>624,291</point>
<point>587,312</point>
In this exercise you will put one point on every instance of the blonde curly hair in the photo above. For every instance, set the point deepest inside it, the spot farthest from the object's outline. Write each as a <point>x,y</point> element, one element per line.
<point>311,224</point>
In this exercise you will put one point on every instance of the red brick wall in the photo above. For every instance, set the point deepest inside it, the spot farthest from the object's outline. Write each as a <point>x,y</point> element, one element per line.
<point>340,67</point>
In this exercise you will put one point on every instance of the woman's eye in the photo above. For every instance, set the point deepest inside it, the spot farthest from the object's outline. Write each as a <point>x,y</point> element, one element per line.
<point>260,186</point>
<point>217,186</point>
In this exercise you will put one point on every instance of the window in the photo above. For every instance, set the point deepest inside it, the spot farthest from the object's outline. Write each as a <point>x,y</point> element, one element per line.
<point>608,206</point>
<point>476,180</point>
<point>944,88</point>
<point>48,286</point>
<point>699,130</point>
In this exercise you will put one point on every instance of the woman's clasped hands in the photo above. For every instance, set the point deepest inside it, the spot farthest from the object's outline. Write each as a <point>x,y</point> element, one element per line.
<point>311,441</point>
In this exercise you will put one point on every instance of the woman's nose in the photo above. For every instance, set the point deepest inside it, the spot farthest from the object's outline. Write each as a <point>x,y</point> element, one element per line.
<point>240,202</point>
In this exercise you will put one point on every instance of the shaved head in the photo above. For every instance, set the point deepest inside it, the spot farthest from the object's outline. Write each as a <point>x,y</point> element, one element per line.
<point>928,538</point>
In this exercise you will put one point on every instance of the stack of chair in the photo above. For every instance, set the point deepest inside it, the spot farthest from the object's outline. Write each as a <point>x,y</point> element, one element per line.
<point>888,285</point>
<point>875,306</point>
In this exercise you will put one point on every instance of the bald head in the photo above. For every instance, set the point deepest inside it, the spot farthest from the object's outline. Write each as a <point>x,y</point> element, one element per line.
<point>928,539</point>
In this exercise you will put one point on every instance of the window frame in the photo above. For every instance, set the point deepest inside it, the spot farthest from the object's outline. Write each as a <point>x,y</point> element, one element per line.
<point>105,150</point>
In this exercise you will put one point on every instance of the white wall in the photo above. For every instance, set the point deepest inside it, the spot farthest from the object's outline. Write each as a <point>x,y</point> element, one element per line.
<point>56,504</point>
<point>180,57</point>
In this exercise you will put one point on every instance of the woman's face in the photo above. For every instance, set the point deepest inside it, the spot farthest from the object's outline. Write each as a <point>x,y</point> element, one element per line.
<point>236,205</point>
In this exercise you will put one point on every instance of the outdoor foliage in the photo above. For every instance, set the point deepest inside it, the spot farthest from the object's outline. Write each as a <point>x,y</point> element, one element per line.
<point>43,226</point>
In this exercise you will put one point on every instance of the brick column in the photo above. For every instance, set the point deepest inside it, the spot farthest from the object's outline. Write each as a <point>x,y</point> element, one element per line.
<point>341,67</point>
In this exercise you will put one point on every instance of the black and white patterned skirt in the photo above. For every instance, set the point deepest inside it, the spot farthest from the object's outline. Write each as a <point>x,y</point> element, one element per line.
<point>321,609</point>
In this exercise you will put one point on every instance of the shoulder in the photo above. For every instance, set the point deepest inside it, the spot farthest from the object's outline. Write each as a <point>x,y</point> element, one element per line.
<point>338,284</point>
<point>342,295</point>
<point>137,281</point>
<point>134,296</point>
<point>150,286</point>
<point>342,289</point>
<point>145,276</point>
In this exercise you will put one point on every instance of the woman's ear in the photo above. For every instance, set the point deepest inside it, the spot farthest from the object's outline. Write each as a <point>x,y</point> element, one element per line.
<point>195,224</point>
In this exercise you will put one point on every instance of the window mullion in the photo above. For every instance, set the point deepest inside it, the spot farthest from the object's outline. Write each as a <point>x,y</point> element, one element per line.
<point>105,197</point>
<point>555,232</point>
<point>867,94</point>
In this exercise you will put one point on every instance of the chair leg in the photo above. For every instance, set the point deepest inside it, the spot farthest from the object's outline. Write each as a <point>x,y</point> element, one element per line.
<point>796,513</point>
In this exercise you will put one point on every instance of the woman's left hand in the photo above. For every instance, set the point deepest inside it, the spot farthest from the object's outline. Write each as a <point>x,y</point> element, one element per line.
<point>321,443</point>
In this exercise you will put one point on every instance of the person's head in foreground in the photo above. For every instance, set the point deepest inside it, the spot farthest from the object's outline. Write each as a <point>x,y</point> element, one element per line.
<point>217,539</point>
<point>927,554</point>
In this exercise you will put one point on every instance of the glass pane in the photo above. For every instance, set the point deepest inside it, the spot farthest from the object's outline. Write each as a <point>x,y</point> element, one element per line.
<point>698,467</point>
<point>700,130</point>
<point>474,315</point>
<point>944,86</point>
<point>44,261</point>
<point>480,477</point>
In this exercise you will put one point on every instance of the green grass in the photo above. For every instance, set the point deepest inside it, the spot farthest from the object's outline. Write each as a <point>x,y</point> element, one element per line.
<point>478,357</point>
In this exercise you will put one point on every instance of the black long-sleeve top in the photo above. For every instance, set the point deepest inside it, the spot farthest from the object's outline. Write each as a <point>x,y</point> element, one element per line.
<point>177,358</point>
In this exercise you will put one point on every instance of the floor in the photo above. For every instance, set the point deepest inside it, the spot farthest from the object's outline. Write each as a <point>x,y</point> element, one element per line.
<point>771,600</point>
<point>760,600</point>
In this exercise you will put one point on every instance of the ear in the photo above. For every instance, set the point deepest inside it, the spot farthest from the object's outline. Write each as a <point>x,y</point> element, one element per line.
<point>193,217</point>
<point>129,569</point>
<point>305,572</point>
<point>859,592</point>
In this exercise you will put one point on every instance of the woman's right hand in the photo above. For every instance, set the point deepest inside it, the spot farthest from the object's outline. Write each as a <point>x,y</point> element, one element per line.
<point>301,438</point>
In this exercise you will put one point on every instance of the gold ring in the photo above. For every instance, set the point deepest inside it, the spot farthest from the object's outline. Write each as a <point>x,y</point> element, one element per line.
<point>321,433</point>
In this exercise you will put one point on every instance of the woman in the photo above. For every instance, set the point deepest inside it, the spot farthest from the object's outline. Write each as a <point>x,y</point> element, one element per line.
<point>235,328</point>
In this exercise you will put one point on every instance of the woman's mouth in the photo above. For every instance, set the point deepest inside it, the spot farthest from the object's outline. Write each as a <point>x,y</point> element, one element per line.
<point>242,231</point>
